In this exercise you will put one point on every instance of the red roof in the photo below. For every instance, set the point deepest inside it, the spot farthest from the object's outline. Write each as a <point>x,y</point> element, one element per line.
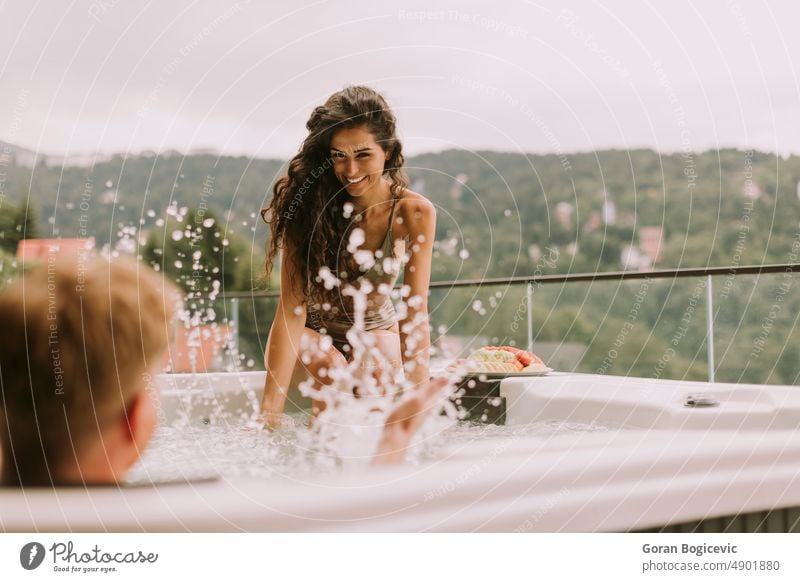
<point>40,249</point>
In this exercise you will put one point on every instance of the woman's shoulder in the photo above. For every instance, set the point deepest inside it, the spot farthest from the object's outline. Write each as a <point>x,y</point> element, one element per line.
<point>413,206</point>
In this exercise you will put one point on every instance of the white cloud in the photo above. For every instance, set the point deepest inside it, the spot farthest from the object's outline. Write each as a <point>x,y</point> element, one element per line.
<point>109,76</point>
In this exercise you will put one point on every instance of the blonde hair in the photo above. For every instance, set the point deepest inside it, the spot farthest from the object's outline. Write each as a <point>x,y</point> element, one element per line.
<point>77,341</point>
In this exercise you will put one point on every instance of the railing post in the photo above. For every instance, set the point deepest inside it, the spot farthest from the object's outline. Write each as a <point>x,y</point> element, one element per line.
<point>530,315</point>
<point>710,327</point>
<point>235,321</point>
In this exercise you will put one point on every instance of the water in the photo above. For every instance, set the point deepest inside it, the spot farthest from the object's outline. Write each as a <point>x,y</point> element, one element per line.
<point>198,451</point>
<point>343,438</point>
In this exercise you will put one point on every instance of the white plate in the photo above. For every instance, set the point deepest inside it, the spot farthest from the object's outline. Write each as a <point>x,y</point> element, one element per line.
<point>501,375</point>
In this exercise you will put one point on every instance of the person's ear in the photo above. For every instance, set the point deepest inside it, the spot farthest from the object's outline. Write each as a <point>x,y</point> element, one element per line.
<point>141,419</point>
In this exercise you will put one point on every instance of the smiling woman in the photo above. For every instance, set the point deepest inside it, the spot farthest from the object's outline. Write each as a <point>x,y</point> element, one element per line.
<point>345,222</point>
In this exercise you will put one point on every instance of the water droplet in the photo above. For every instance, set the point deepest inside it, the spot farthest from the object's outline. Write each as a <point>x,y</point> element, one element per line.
<point>178,264</point>
<point>328,278</point>
<point>208,222</point>
<point>177,235</point>
<point>365,259</point>
<point>463,254</point>
<point>507,212</point>
<point>357,238</point>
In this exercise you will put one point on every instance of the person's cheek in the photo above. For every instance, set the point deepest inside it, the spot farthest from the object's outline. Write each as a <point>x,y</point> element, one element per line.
<point>149,419</point>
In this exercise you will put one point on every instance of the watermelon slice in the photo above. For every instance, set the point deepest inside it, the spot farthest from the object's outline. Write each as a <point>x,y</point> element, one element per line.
<point>524,357</point>
<point>498,356</point>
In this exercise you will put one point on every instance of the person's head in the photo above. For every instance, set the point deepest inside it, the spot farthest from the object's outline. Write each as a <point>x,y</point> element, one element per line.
<point>352,136</point>
<point>79,343</point>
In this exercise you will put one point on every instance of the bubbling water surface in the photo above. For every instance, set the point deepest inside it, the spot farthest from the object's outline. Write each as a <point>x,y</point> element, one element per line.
<point>341,438</point>
<point>296,451</point>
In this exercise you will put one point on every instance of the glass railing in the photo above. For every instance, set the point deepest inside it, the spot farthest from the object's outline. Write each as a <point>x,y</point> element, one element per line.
<point>725,324</point>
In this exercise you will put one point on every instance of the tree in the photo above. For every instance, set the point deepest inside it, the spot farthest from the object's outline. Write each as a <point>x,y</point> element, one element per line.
<point>16,223</point>
<point>193,251</point>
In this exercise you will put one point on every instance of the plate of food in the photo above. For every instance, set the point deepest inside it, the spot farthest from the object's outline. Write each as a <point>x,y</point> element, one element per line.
<point>496,362</point>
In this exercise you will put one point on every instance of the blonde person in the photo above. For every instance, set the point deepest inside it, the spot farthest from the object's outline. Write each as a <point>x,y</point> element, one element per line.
<point>347,175</point>
<point>79,349</point>
<point>81,342</point>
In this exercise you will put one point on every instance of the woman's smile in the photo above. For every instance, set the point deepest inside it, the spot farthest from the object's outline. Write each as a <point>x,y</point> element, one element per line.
<point>358,160</point>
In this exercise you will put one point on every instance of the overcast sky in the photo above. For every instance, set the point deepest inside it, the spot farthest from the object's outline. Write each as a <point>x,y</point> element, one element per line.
<point>123,75</point>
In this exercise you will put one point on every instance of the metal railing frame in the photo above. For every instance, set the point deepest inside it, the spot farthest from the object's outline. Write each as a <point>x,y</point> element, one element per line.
<point>531,281</point>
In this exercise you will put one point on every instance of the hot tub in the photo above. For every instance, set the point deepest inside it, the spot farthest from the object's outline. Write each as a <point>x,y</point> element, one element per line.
<point>647,455</point>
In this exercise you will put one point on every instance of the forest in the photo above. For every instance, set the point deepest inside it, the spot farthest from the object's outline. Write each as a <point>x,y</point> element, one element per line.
<point>500,214</point>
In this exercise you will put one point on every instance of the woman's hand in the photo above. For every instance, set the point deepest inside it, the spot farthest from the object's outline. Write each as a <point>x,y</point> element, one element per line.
<point>272,420</point>
<point>404,422</point>
<point>269,421</point>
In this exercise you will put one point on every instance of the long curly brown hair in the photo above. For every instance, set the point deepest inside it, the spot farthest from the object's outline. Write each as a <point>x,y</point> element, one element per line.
<point>305,214</point>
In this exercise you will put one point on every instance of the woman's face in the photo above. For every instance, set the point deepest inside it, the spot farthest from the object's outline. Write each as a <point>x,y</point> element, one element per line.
<point>358,160</point>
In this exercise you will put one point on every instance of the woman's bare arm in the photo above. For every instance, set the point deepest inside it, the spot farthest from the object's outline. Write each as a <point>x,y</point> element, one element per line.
<point>405,420</point>
<point>415,337</point>
<point>283,344</point>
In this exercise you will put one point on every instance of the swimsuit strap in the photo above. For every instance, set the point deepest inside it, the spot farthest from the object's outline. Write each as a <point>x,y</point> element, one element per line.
<point>388,241</point>
<point>391,220</point>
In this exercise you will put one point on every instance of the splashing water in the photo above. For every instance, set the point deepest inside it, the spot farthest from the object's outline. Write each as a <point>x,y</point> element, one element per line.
<point>356,397</point>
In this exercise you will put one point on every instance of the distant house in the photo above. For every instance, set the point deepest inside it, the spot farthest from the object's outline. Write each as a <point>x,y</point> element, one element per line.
<point>609,212</point>
<point>564,212</point>
<point>651,241</point>
<point>108,196</point>
<point>751,189</point>
<point>594,223</point>
<point>457,188</point>
<point>632,259</point>
<point>40,249</point>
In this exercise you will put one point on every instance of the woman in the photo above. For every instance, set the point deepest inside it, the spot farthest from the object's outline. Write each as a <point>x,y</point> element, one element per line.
<point>346,186</point>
